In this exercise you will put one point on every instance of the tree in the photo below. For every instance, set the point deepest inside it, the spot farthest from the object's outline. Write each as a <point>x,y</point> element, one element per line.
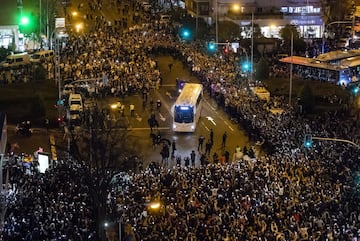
<point>3,53</point>
<point>291,31</point>
<point>228,31</point>
<point>262,69</point>
<point>106,146</point>
<point>307,99</point>
<point>334,10</point>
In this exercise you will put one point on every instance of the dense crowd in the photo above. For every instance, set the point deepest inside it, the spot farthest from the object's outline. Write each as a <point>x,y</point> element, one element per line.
<point>56,205</point>
<point>290,194</point>
<point>266,199</point>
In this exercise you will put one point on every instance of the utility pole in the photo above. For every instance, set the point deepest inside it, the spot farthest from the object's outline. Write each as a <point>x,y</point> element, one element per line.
<point>252,47</point>
<point>291,66</point>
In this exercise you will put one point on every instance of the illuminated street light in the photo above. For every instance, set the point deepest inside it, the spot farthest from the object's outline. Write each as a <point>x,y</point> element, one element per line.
<point>78,27</point>
<point>236,8</point>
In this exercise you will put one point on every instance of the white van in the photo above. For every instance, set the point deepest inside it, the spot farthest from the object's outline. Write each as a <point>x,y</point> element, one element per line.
<point>75,101</point>
<point>17,60</point>
<point>74,114</point>
<point>42,56</point>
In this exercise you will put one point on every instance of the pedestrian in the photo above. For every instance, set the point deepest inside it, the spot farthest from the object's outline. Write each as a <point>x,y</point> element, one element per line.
<point>187,161</point>
<point>211,136</point>
<point>178,161</point>
<point>132,110</point>
<point>173,149</point>
<point>201,141</point>
<point>47,124</point>
<point>152,123</point>
<point>192,157</point>
<point>170,66</point>
<point>208,147</point>
<point>224,137</point>
<point>164,153</point>
<point>158,104</point>
<point>203,160</point>
<point>215,158</point>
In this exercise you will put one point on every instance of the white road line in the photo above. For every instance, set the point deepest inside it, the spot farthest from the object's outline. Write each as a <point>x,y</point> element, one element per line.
<point>226,123</point>
<point>146,128</point>
<point>211,107</point>
<point>205,126</point>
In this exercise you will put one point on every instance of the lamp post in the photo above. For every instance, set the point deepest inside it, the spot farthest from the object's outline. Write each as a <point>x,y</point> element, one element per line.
<point>291,66</point>
<point>216,22</point>
<point>252,46</point>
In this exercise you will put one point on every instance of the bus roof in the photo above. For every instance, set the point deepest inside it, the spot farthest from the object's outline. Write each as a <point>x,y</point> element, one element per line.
<point>338,55</point>
<point>350,62</point>
<point>189,94</point>
<point>309,62</point>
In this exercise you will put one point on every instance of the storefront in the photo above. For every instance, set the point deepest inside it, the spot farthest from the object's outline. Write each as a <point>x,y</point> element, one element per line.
<point>11,38</point>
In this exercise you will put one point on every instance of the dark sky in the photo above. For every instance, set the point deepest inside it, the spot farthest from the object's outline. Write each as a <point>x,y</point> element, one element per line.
<point>8,10</point>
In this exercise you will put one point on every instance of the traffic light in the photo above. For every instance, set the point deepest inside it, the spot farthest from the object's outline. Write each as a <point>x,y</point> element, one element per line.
<point>211,46</point>
<point>26,23</point>
<point>308,141</point>
<point>246,66</point>
<point>185,34</point>
<point>24,20</point>
<point>355,90</point>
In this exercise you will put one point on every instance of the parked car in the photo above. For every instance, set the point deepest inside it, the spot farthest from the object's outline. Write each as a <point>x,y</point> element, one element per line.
<point>42,56</point>
<point>16,60</point>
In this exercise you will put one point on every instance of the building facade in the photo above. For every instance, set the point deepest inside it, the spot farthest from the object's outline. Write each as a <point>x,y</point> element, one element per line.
<point>269,15</point>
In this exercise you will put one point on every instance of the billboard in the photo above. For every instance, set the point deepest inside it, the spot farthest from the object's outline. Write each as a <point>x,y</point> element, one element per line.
<point>44,161</point>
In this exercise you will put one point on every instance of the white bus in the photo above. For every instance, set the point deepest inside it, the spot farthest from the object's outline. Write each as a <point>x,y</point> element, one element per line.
<point>187,108</point>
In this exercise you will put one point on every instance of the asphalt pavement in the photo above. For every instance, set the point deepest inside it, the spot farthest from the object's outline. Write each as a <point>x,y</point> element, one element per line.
<point>213,117</point>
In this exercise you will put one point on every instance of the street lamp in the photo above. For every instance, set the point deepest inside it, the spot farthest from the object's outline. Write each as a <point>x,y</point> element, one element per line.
<point>78,27</point>
<point>216,23</point>
<point>252,46</point>
<point>291,65</point>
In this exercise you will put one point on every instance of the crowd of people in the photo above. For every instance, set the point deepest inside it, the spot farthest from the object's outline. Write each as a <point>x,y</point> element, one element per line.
<point>292,193</point>
<point>56,205</point>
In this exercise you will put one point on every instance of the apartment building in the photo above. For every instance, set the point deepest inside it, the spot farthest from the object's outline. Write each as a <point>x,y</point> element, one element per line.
<point>269,15</point>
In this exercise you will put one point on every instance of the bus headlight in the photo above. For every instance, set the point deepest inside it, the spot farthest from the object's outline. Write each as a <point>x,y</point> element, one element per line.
<point>174,126</point>
<point>192,127</point>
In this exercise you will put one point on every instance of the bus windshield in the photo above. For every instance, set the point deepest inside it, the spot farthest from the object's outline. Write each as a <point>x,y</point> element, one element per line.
<point>184,114</point>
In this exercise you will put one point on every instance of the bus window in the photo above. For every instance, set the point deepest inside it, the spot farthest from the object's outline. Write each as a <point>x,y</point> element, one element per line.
<point>187,108</point>
<point>184,114</point>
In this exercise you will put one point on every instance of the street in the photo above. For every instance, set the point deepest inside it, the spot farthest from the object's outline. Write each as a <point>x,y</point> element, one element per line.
<point>212,117</point>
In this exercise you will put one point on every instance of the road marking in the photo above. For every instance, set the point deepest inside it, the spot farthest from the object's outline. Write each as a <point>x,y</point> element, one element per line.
<point>211,120</point>
<point>147,128</point>
<point>170,96</point>
<point>162,117</point>
<point>205,126</point>
<point>226,123</point>
<point>138,118</point>
<point>211,107</point>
